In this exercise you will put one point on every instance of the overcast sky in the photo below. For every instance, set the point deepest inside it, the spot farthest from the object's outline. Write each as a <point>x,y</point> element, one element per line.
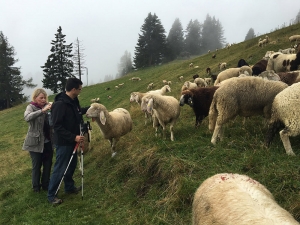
<point>108,28</point>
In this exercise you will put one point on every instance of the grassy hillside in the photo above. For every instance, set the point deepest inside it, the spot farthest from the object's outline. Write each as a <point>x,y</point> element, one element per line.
<point>151,180</point>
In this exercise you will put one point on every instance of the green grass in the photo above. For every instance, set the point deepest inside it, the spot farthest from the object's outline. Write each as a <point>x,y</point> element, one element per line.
<point>151,181</point>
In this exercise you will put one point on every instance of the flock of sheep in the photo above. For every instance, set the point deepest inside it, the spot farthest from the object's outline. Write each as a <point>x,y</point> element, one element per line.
<point>270,88</point>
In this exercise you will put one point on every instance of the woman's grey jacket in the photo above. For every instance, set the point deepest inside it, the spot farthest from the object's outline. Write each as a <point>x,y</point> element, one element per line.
<point>35,138</point>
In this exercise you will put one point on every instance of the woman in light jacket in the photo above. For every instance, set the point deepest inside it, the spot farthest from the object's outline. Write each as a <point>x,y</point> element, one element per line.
<point>38,139</point>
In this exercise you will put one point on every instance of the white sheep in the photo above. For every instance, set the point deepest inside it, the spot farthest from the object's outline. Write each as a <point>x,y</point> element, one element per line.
<point>93,100</point>
<point>285,111</point>
<point>169,82</point>
<point>269,75</point>
<point>191,65</point>
<point>222,66</point>
<point>166,110</point>
<point>161,91</point>
<point>113,125</point>
<point>165,82</point>
<point>294,38</point>
<point>208,81</point>
<point>245,96</point>
<point>188,85</point>
<point>135,79</point>
<point>181,78</point>
<point>228,198</point>
<point>150,86</point>
<point>232,72</point>
<point>200,82</point>
<point>137,97</point>
<point>287,51</point>
<point>283,62</point>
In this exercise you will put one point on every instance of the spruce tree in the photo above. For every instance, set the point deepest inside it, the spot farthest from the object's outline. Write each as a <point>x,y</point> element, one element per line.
<point>125,65</point>
<point>11,80</point>
<point>59,65</point>
<point>151,47</point>
<point>175,40</point>
<point>250,34</point>
<point>212,35</point>
<point>193,37</point>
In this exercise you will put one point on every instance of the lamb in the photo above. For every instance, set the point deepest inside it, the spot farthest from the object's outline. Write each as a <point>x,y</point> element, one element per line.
<point>284,62</point>
<point>161,91</point>
<point>290,77</point>
<point>208,81</point>
<point>150,86</point>
<point>245,96</point>
<point>222,66</point>
<point>200,82</point>
<point>199,99</point>
<point>294,38</point>
<point>113,125</point>
<point>95,100</point>
<point>165,109</point>
<point>227,198</point>
<point>259,67</point>
<point>137,97</point>
<point>232,72</point>
<point>188,85</point>
<point>285,114</point>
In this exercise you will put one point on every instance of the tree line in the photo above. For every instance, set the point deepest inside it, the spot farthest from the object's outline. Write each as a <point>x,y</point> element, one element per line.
<point>153,48</point>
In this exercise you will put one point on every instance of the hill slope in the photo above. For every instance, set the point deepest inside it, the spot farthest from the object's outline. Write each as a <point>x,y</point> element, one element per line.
<point>151,181</point>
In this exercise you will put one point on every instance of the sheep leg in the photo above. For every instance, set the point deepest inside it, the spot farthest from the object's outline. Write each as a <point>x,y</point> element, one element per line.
<point>171,131</point>
<point>216,134</point>
<point>284,135</point>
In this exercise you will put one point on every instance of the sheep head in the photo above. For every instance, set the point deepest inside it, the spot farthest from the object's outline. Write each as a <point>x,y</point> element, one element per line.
<point>147,104</point>
<point>186,98</point>
<point>168,88</point>
<point>96,110</point>
<point>134,97</point>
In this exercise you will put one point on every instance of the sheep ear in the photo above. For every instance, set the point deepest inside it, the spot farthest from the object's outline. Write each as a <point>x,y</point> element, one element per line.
<point>102,118</point>
<point>150,105</point>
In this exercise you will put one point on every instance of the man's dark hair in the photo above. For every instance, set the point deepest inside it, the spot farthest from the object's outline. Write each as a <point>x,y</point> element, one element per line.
<point>73,82</point>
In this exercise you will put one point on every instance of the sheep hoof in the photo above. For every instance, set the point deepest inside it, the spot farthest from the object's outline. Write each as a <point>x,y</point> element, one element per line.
<point>113,154</point>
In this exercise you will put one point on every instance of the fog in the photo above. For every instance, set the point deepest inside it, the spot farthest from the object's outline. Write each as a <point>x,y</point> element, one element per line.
<point>107,29</point>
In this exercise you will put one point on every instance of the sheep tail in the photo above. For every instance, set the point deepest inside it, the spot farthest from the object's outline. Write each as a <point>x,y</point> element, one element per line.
<point>273,128</point>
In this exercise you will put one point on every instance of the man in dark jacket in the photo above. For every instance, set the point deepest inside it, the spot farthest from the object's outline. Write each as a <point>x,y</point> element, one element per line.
<point>67,119</point>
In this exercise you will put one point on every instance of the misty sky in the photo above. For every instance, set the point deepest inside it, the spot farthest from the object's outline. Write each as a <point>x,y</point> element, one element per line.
<point>108,28</point>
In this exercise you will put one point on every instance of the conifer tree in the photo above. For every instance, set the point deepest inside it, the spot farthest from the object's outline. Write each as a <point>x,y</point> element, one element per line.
<point>175,40</point>
<point>59,65</point>
<point>212,34</point>
<point>125,65</point>
<point>11,80</point>
<point>193,37</point>
<point>250,34</point>
<point>297,19</point>
<point>151,47</point>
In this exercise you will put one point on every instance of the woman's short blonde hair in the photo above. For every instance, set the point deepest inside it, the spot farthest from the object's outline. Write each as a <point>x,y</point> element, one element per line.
<point>36,93</point>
